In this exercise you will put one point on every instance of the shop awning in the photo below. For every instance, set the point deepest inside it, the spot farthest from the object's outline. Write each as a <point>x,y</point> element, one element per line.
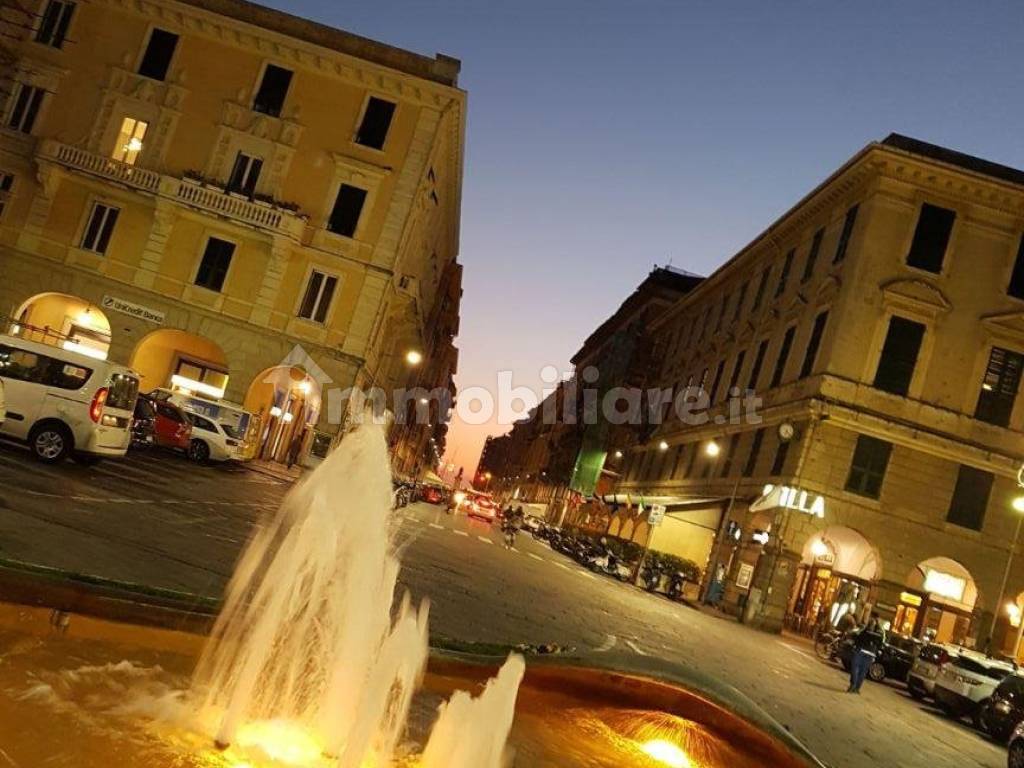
<point>432,478</point>
<point>669,502</point>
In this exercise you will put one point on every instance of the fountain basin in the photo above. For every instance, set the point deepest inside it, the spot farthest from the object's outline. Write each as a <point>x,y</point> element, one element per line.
<point>104,666</point>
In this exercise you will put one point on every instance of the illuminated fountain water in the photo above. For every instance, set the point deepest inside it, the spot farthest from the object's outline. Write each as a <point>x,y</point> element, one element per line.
<point>307,649</point>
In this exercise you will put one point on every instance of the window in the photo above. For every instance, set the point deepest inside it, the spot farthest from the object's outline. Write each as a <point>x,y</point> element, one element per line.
<point>272,91</point>
<point>928,248</point>
<point>736,368</point>
<point>373,131</point>
<point>22,365</point>
<point>999,387</point>
<point>717,380</point>
<point>214,266</point>
<point>156,60</point>
<point>780,362</point>
<point>779,463</point>
<point>812,255</point>
<point>130,140</point>
<point>53,29</point>
<point>811,353</point>
<point>1016,286</point>
<point>787,265</point>
<point>97,233</point>
<point>760,289</point>
<point>730,454</point>
<point>970,498</point>
<point>739,302</point>
<point>867,470</point>
<point>6,184</point>
<point>317,300</point>
<point>347,208</point>
<point>245,174</point>
<point>844,237</point>
<point>755,450</point>
<point>899,355</point>
<point>27,102</point>
<point>198,372</point>
<point>755,370</point>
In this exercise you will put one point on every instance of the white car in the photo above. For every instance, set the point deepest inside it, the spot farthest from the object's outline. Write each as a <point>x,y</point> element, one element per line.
<point>966,682</point>
<point>932,658</point>
<point>212,442</point>
<point>63,403</point>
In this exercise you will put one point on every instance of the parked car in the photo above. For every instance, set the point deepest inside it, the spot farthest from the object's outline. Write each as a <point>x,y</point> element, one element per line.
<point>163,423</point>
<point>931,659</point>
<point>433,495</point>
<point>965,684</point>
<point>1000,715</point>
<point>211,441</point>
<point>893,662</point>
<point>64,403</point>
<point>1015,755</point>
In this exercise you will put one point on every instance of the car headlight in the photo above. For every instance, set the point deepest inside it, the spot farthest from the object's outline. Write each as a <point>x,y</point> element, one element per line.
<point>1002,706</point>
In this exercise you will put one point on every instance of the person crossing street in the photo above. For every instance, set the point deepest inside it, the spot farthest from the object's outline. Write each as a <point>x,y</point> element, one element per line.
<point>867,645</point>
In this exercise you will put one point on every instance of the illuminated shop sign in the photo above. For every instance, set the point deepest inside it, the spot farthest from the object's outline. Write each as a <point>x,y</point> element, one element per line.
<point>775,496</point>
<point>945,585</point>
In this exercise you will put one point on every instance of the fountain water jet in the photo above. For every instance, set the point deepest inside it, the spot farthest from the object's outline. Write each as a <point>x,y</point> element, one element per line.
<point>306,633</point>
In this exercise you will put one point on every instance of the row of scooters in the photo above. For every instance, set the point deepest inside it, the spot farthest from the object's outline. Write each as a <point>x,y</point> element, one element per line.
<point>597,557</point>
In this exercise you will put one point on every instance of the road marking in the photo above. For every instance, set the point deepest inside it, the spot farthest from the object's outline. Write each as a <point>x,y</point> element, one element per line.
<point>485,540</point>
<point>635,648</point>
<point>535,556</point>
<point>460,533</point>
<point>436,526</point>
<point>563,566</point>
<point>588,574</point>
<point>797,650</point>
<point>607,645</point>
<point>513,549</point>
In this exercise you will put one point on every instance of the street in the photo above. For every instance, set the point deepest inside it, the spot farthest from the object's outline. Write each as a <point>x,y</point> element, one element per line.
<point>161,521</point>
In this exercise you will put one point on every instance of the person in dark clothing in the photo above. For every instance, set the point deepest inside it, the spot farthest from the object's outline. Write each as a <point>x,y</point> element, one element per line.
<point>867,644</point>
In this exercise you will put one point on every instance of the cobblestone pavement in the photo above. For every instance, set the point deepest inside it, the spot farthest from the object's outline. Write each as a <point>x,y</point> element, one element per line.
<point>158,520</point>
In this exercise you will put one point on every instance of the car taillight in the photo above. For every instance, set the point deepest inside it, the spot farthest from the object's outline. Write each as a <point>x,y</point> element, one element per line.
<point>98,401</point>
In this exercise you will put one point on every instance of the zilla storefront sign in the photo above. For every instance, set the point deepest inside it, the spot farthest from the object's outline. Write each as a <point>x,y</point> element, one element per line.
<point>789,497</point>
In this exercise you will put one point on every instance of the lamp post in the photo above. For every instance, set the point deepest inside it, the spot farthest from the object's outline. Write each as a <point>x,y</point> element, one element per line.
<point>1018,507</point>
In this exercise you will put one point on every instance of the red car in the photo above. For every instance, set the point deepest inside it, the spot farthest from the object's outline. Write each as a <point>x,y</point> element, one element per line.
<point>432,494</point>
<point>168,425</point>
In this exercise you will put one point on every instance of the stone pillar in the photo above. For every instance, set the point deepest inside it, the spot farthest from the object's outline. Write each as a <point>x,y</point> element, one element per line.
<point>49,179</point>
<point>769,592</point>
<point>156,243</point>
<point>266,296</point>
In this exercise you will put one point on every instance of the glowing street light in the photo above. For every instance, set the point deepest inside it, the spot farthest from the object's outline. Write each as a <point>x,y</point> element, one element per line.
<point>618,454</point>
<point>712,449</point>
<point>414,357</point>
<point>662,446</point>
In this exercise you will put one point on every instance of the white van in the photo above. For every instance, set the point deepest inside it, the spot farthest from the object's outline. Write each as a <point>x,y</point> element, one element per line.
<point>64,403</point>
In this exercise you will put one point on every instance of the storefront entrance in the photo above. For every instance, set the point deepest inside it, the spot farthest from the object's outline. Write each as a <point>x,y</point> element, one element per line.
<point>947,595</point>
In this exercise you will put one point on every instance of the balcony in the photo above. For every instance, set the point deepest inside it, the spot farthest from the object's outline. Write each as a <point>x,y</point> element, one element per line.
<point>185,192</point>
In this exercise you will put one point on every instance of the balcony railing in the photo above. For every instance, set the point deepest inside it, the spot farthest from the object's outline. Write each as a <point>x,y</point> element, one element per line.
<point>182,191</point>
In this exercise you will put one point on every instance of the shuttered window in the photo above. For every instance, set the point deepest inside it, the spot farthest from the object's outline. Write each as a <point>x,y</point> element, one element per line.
<point>999,387</point>
<point>899,355</point>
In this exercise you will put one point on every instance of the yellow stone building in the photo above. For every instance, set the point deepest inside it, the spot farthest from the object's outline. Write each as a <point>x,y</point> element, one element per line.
<point>233,200</point>
<point>881,321</point>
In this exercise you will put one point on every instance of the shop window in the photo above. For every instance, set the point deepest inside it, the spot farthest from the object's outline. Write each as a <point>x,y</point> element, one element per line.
<point>844,237</point>
<point>812,255</point>
<point>899,355</point>
<point>348,206</point>
<point>739,302</point>
<point>27,103</point>
<point>245,174</point>
<point>6,184</point>
<point>53,29</point>
<point>811,353</point>
<point>755,370</point>
<point>736,369</point>
<point>755,452</point>
<point>931,237</point>
<point>867,470</point>
<point>787,265</point>
<point>780,362</point>
<point>197,376</point>
<point>316,301</point>
<point>761,285</point>
<point>1016,286</point>
<point>730,454</point>
<point>719,370</point>
<point>213,269</point>
<point>99,228</point>
<point>373,130</point>
<point>970,498</point>
<point>130,140</point>
<point>273,90</point>
<point>779,462</point>
<point>156,59</point>
<point>999,387</point>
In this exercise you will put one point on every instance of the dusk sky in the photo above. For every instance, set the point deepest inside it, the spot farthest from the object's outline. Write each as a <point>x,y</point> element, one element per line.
<point>604,138</point>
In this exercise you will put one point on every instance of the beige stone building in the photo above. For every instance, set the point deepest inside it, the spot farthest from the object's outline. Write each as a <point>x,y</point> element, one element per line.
<point>235,201</point>
<point>881,321</point>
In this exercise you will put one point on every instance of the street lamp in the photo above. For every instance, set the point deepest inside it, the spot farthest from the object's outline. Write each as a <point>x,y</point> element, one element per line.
<point>414,357</point>
<point>712,449</point>
<point>1018,507</point>
<point>662,446</point>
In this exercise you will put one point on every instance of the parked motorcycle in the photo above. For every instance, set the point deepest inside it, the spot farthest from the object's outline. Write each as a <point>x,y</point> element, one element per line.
<point>676,582</point>
<point>651,578</point>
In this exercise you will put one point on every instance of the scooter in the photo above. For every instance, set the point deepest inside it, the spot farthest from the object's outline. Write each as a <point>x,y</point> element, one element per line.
<point>675,585</point>
<point>651,578</point>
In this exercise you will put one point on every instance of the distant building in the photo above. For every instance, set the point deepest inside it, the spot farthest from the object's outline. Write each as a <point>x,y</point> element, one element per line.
<point>233,200</point>
<point>881,319</point>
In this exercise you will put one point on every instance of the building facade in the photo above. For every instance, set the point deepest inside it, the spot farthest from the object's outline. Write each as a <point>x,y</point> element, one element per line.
<point>881,323</point>
<point>230,199</point>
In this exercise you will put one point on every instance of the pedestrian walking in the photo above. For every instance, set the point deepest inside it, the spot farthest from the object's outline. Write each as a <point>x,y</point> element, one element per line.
<point>867,644</point>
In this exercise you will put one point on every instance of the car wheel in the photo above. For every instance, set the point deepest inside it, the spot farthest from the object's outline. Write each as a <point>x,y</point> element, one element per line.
<point>978,718</point>
<point>86,459</point>
<point>877,672</point>
<point>50,443</point>
<point>199,451</point>
<point>1016,756</point>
